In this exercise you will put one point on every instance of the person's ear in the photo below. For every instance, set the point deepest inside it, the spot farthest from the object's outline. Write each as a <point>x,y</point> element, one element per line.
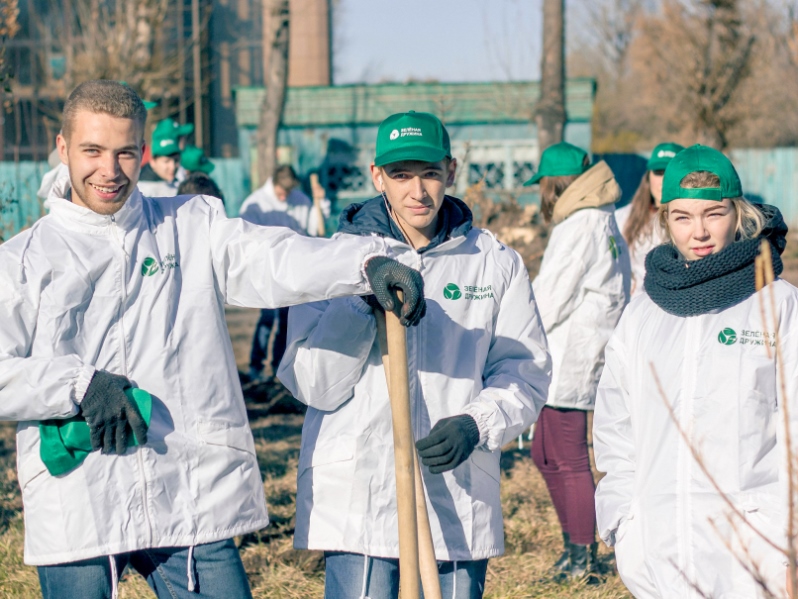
<point>450,175</point>
<point>61,145</point>
<point>376,178</point>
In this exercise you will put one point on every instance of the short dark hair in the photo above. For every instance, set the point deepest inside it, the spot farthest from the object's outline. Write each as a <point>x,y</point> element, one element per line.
<point>285,177</point>
<point>198,183</point>
<point>106,97</point>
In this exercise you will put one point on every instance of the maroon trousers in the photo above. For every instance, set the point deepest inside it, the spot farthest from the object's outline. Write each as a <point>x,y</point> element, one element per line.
<point>559,450</point>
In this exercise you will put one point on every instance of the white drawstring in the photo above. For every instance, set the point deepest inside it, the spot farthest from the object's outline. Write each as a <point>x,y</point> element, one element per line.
<point>454,581</point>
<point>114,578</point>
<point>365,577</point>
<point>190,570</point>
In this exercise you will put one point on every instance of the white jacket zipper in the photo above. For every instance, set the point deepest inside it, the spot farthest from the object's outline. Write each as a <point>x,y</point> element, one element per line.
<point>120,238</point>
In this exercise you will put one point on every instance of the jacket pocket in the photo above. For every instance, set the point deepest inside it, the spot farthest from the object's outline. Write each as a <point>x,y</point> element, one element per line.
<point>226,435</point>
<point>341,449</point>
<point>29,470</point>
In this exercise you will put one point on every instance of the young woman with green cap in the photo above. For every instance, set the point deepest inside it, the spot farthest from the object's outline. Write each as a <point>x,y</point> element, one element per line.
<point>637,220</point>
<point>582,288</point>
<point>479,370</point>
<point>688,424</point>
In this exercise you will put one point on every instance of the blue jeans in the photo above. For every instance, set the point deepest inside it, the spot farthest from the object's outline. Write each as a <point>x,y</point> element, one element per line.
<point>355,576</point>
<point>215,572</point>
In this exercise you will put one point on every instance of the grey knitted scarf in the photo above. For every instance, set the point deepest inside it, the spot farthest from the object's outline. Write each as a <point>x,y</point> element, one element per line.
<point>690,288</point>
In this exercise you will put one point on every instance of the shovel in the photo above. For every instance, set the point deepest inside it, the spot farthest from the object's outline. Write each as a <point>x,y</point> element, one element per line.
<point>416,550</point>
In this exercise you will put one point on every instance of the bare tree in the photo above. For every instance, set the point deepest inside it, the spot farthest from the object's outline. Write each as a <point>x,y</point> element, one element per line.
<point>277,23</point>
<point>9,26</point>
<point>550,109</point>
<point>123,41</point>
<point>694,61</point>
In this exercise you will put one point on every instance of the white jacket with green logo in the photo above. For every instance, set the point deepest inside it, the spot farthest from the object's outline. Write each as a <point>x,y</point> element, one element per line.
<point>581,290</point>
<point>142,294</point>
<point>724,388</point>
<point>480,350</point>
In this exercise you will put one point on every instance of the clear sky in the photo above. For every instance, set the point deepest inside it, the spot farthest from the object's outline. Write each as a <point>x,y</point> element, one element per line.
<point>444,40</point>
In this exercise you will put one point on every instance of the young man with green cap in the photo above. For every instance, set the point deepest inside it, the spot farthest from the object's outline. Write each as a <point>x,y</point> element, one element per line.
<point>582,288</point>
<point>696,365</point>
<point>161,176</point>
<point>479,371</point>
<point>113,290</point>
<point>638,221</point>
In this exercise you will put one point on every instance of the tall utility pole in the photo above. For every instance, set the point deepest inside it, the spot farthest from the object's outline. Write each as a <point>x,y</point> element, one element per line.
<point>197,63</point>
<point>550,109</point>
<point>276,26</point>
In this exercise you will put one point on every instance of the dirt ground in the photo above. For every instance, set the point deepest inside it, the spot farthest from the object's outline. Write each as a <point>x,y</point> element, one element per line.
<point>274,568</point>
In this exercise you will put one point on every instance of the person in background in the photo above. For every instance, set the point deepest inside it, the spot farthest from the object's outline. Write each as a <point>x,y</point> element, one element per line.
<point>158,176</point>
<point>689,423</point>
<point>198,183</point>
<point>194,160</point>
<point>279,203</point>
<point>637,220</point>
<point>581,290</point>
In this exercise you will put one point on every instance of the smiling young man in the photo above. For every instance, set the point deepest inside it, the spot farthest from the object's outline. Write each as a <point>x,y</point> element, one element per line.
<point>113,290</point>
<point>479,375</point>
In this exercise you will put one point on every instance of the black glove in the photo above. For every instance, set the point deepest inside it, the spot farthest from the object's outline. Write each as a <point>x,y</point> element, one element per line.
<point>449,443</point>
<point>385,277</point>
<point>110,414</point>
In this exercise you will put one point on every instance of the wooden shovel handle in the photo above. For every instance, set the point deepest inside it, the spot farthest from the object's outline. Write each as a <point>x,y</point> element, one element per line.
<point>424,562</point>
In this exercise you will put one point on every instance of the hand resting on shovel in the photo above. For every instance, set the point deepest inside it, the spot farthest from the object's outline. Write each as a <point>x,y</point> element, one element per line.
<point>386,277</point>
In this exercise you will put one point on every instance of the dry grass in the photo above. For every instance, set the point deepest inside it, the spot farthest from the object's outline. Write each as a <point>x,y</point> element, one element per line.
<point>277,571</point>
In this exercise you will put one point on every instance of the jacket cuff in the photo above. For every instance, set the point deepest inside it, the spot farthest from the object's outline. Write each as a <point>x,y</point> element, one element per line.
<point>81,384</point>
<point>378,247</point>
<point>481,418</point>
<point>359,304</point>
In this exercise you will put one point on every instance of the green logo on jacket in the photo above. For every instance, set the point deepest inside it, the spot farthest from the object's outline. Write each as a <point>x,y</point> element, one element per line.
<point>452,292</point>
<point>727,337</point>
<point>614,249</point>
<point>149,267</point>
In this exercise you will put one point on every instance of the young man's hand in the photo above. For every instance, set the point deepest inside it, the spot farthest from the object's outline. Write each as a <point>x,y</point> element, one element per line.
<point>386,276</point>
<point>110,414</point>
<point>449,443</point>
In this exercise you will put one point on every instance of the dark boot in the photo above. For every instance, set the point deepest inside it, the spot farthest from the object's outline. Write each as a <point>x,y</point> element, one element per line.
<point>563,564</point>
<point>584,564</point>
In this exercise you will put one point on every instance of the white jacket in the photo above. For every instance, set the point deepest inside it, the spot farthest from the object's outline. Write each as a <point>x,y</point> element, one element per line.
<point>158,189</point>
<point>640,248</point>
<point>142,294</point>
<point>582,287</point>
<point>480,350</point>
<point>655,504</point>
<point>297,212</point>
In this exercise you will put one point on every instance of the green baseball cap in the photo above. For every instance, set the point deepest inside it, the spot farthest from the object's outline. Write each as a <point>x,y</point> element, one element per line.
<point>412,136</point>
<point>168,127</point>
<point>560,160</point>
<point>700,158</point>
<point>194,159</point>
<point>164,145</point>
<point>662,155</point>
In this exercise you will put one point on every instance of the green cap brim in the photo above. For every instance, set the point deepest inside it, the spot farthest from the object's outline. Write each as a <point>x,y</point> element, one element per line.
<point>206,168</point>
<point>535,178</point>
<point>657,165</point>
<point>417,153</point>
<point>149,105</point>
<point>186,129</point>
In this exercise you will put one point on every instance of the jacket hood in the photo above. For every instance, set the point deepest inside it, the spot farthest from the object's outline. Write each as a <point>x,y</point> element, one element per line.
<point>594,188</point>
<point>371,217</point>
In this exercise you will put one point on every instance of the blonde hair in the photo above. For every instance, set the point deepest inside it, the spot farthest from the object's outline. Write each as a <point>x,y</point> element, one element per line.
<point>750,221</point>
